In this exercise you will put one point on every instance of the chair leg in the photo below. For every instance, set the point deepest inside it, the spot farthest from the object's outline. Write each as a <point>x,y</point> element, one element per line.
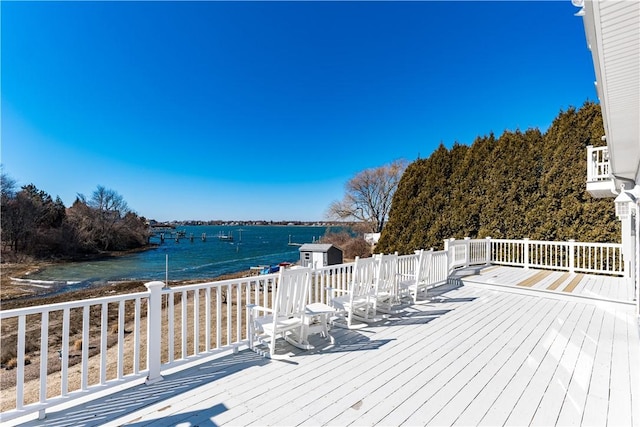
<point>272,346</point>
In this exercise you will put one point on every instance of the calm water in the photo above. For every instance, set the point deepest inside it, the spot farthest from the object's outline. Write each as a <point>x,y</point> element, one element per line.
<point>251,246</point>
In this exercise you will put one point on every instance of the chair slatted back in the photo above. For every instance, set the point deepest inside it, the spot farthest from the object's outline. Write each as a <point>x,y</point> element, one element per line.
<point>292,291</point>
<point>363,277</point>
<point>386,276</point>
<point>424,267</point>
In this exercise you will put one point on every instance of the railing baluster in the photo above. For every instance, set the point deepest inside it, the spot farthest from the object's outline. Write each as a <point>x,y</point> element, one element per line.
<point>196,321</point>
<point>183,320</point>
<point>64,372</point>
<point>84,383</point>
<point>171,308</point>
<point>229,294</point>
<point>207,315</point>
<point>104,322</point>
<point>22,322</point>
<point>120,339</point>
<point>239,307</point>
<point>44,353</point>
<point>136,337</point>
<point>218,316</point>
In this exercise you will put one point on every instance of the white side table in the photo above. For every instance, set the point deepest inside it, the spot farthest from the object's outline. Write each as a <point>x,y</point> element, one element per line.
<point>317,320</point>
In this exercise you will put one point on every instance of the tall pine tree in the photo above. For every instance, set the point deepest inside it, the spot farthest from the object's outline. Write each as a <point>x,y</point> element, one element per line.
<point>523,184</point>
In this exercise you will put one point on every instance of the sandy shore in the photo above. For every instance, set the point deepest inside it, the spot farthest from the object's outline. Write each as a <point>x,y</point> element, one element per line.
<point>10,289</point>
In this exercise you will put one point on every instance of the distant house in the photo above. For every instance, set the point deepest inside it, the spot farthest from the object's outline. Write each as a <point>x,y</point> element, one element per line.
<point>319,255</point>
<point>372,238</point>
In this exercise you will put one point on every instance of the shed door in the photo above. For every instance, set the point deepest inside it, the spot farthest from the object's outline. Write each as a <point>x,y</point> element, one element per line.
<point>318,259</point>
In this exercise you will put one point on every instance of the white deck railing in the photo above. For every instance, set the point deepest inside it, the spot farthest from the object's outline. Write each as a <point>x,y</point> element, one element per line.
<point>597,164</point>
<point>148,332</point>
<point>35,326</point>
<point>332,276</point>
<point>597,258</point>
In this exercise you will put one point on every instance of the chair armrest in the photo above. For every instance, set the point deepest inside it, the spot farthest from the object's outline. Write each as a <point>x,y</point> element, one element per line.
<point>340,291</point>
<point>408,275</point>
<point>253,308</point>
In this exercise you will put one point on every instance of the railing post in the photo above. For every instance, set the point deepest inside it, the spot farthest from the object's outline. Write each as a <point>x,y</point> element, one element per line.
<point>450,257</point>
<point>446,251</point>
<point>467,251</point>
<point>572,256</point>
<point>526,253</point>
<point>154,331</point>
<point>488,250</point>
<point>591,163</point>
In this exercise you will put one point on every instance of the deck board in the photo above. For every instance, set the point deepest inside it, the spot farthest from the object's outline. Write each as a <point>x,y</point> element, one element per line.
<point>596,406</point>
<point>472,355</point>
<point>573,405</point>
<point>537,278</point>
<point>573,284</point>
<point>560,280</point>
<point>482,370</point>
<point>550,406</point>
<point>401,379</point>
<point>593,286</point>
<point>432,386</point>
<point>503,406</point>
<point>548,281</point>
<point>467,365</point>
<point>620,384</point>
<point>513,360</point>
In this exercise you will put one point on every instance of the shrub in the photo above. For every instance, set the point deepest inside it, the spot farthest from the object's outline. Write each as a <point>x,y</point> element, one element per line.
<point>357,247</point>
<point>13,363</point>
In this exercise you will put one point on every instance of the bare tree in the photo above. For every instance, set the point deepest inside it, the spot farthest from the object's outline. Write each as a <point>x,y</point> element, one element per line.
<point>7,214</point>
<point>107,210</point>
<point>7,185</point>
<point>368,196</point>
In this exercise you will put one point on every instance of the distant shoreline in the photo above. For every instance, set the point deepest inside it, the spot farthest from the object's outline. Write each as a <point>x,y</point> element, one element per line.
<point>11,289</point>
<point>17,295</point>
<point>47,286</point>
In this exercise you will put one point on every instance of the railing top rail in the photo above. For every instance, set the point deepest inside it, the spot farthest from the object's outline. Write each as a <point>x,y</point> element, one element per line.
<point>333,266</point>
<point>541,242</point>
<point>220,283</point>
<point>36,309</point>
<point>611,245</point>
<point>600,148</point>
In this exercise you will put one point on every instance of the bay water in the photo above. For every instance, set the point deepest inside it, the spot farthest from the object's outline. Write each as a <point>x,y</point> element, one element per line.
<point>185,258</point>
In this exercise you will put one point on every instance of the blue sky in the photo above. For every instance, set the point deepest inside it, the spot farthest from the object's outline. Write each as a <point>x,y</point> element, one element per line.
<point>264,110</point>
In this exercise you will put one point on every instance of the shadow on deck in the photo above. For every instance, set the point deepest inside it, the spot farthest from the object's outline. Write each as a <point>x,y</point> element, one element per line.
<point>120,403</point>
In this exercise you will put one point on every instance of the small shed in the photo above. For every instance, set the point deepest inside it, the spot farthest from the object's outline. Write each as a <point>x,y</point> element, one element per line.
<point>319,255</point>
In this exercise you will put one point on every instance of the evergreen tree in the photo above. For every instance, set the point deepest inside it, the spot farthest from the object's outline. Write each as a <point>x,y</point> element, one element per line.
<point>523,184</point>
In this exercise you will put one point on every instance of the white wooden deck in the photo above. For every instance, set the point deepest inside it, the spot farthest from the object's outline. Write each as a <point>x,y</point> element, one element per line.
<point>471,356</point>
<point>607,288</point>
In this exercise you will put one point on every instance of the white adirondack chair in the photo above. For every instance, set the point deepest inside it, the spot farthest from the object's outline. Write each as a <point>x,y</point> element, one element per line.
<point>386,285</point>
<point>358,302</point>
<point>286,317</point>
<point>413,285</point>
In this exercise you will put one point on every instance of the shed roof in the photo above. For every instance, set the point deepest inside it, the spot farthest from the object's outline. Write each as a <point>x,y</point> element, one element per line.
<point>317,247</point>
